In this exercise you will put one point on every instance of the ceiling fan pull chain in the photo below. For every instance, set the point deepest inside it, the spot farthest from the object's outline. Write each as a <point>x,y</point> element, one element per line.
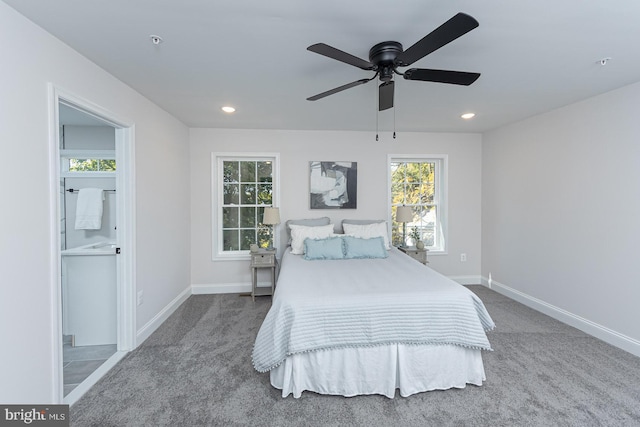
<point>377,114</point>
<point>394,123</point>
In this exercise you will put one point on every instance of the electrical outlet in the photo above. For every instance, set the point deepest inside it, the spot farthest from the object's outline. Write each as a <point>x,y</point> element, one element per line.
<point>140,297</point>
<point>463,257</point>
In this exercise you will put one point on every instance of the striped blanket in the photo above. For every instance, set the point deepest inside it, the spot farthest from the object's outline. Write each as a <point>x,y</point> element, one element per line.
<point>350,303</point>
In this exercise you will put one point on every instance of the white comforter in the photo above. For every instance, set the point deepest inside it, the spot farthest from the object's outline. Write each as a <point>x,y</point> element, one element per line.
<point>366,302</point>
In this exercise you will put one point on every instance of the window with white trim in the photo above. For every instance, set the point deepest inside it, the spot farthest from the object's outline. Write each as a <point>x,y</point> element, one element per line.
<point>244,184</point>
<point>87,162</point>
<point>419,182</point>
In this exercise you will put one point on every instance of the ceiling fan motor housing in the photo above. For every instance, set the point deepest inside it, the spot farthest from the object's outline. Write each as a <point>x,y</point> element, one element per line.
<point>383,57</point>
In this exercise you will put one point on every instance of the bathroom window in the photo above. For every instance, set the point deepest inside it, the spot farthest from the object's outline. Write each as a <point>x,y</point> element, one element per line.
<point>94,162</point>
<point>92,165</point>
<point>244,185</point>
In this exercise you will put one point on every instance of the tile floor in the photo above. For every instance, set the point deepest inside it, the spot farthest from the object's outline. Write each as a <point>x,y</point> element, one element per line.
<point>80,362</point>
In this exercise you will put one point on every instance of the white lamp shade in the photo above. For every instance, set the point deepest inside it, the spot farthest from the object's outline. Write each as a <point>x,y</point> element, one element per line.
<point>271,216</point>
<point>404,214</point>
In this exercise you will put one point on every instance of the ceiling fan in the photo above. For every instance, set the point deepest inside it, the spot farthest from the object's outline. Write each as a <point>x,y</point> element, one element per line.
<point>386,57</point>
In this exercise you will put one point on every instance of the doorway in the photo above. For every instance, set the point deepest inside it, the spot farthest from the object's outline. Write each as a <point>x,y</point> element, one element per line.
<point>95,285</point>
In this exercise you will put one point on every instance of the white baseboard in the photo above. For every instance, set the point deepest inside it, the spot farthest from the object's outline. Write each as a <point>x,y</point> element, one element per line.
<point>467,280</point>
<point>601,332</point>
<point>225,288</point>
<point>153,324</point>
<point>220,288</point>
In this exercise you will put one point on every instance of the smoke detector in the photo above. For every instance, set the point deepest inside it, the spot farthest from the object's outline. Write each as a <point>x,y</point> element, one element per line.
<point>156,40</point>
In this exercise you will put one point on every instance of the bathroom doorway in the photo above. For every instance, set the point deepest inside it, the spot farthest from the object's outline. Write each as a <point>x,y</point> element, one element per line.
<point>95,287</point>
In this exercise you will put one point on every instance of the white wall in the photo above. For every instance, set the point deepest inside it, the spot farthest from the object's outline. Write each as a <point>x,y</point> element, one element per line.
<point>31,58</point>
<point>298,148</point>
<point>88,137</point>
<point>107,232</point>
<point>561,210</point>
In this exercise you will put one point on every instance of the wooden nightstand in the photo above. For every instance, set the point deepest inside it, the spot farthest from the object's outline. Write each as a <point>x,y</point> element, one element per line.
<point>419,255</point>
<point>264,258</point>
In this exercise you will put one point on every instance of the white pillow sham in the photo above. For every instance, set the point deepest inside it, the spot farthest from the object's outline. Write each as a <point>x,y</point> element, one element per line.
<point>367,231</point>
<point>301,232</point>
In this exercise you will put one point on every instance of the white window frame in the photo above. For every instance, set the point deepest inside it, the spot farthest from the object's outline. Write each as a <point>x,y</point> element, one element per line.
<point>217,199</point>
<point>66,155</point>
<point>440,194</point>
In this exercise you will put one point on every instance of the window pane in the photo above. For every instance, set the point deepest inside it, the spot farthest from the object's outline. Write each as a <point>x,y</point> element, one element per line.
<point>428,225</point>
<point>397,193</point>
<point>230,240</point>
<point>107,165</point>
<point>265,194</point>
<point>264,236</point>
<point>247,238</point>
<point>426,172</point>
<point>397,172</point>
<point>265,172</point>
<point>231,194</point>
<point>247,217</point>
<point>412,194</point>
<point>426,193</point>
<point>231,171</point>
<point>83,165</point>
<point>259,215</point>
<point>248,171</point>
<point>247,194</point>
<point>230,217</point>
<point>412,174</point>
<point>396,235</point>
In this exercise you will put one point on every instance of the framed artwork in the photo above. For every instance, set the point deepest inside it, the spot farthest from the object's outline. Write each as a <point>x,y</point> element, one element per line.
<point>333,185</point>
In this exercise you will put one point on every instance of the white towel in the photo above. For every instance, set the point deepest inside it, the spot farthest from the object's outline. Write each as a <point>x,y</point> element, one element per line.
<point>89,209</point>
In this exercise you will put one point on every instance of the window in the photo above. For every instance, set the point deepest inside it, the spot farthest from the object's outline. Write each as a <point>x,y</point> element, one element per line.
<point>94,162</point>
<point>245,185</point>
<point>420,184</point>
<point>92,165</point>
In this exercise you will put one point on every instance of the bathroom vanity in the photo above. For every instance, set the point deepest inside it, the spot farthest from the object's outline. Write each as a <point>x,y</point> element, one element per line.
<point>89,294</point>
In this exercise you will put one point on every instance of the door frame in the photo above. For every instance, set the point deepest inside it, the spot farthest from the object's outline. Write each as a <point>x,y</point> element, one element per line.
<point>125,220</point>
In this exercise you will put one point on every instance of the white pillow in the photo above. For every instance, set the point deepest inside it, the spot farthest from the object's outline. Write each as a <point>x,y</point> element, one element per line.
<point>367,231</point>
<point>301,232</point>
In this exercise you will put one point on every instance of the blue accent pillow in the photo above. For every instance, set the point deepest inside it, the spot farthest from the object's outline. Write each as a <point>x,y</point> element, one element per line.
<point>328,248</point>
<point>356,247</point>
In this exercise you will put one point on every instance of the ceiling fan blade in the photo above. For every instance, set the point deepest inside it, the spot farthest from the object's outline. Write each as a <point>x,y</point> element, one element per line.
<point>441,76</point>
<point>455,27</point>
<point>385,96</point>
<point>338,89</point>
<point>337,54</point>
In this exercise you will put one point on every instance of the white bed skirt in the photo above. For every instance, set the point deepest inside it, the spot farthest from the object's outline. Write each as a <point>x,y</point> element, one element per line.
<point>379,370</point>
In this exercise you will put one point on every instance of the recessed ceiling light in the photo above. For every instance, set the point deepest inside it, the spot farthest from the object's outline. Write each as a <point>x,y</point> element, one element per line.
<point>155,39</point>
<point>228,109</point>
<point>468,116</point>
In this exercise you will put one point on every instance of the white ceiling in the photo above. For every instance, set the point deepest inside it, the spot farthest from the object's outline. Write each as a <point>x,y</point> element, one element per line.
<point>534,56</point>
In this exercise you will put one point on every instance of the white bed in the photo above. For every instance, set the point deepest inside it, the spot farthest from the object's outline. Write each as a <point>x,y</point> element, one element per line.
<point>370,326</point>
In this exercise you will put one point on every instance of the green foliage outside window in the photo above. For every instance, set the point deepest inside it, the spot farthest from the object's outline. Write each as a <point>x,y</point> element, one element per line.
<point>92,165</point>
<point>247,189</point>
<point>414,184</point>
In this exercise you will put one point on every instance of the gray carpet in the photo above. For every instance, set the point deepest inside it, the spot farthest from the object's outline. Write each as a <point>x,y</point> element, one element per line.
<point>195,370</point>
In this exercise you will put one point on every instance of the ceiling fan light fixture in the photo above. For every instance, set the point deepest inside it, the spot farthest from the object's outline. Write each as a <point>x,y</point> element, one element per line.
<point>468,116</point>
<point>228,109</point>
